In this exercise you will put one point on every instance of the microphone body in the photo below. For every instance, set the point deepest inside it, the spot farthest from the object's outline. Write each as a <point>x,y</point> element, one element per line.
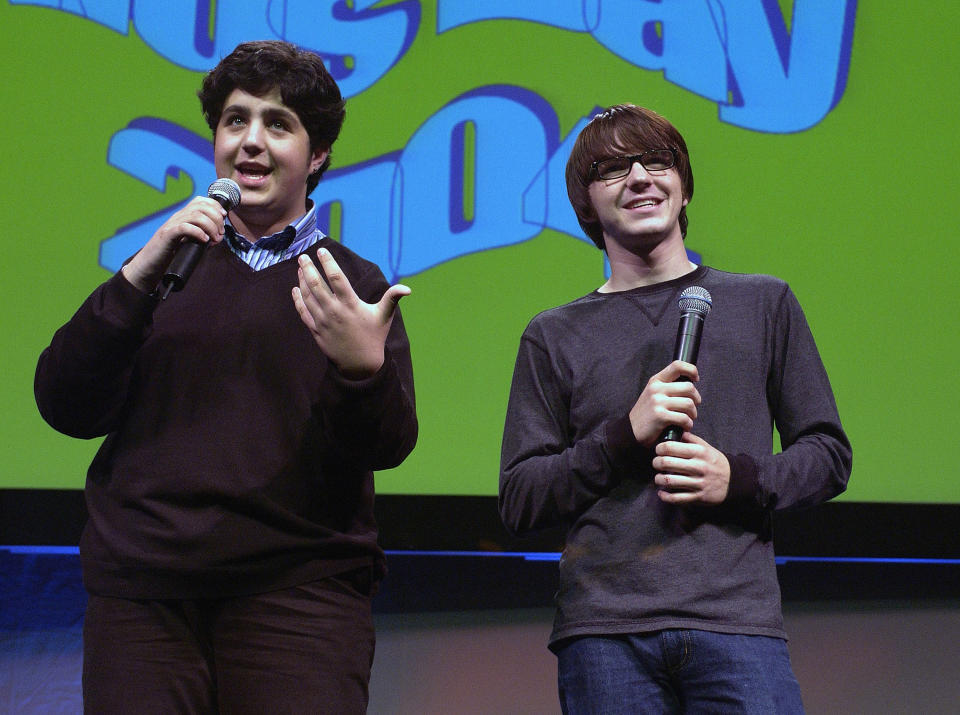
<point>695,303</point>
<point>226,193</point>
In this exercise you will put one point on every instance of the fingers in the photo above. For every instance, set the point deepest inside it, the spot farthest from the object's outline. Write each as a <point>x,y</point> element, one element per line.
<point>691,438</point>
<point>337,286</point>
<point>669,399</point>
<point>677,457</point>
<point>669,407</point>
<point>210,217</point>
<point>676,380</point>
<point>678,371</point>
<point>313,289</point>
<point>674,407</point>
<point>691,471</point>
<point>201,220</point>
<point>305,315</point>
<point>685,449</point>
<point>337,283</point>
<point>674,398</point>
<point>679,478</point>
<point>677,483</point>
<point>317,300</point>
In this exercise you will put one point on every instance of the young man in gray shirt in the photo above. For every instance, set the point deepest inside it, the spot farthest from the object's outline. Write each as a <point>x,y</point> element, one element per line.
<point>668,598</point>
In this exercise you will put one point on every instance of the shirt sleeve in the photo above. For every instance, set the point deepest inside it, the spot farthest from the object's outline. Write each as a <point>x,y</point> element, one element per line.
<point>83,376</point>
<point>816,457</point>
<point>547,479</point>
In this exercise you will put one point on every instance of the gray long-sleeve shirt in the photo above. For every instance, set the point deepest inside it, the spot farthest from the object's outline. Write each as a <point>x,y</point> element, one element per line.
<point>633,563</point>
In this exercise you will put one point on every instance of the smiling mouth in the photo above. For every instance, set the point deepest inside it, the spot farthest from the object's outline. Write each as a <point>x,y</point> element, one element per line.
<point>641,204</point>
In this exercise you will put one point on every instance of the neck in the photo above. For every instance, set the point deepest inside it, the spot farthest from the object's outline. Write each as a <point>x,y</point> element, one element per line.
<point>254,225</point>
<point>664,261</point>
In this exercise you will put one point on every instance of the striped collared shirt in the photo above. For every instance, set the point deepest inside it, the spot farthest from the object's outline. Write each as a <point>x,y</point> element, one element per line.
<point>284,244</point>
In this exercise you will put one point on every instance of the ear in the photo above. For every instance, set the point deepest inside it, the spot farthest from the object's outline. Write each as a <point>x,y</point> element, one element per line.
<point>317,158</point>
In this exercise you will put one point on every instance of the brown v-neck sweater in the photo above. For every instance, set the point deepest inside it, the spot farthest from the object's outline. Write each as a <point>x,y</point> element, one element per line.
<point>237,459</point>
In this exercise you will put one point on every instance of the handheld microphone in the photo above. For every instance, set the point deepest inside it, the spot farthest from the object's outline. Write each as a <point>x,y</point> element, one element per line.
<point>226,193</point>
<point>695,303</point>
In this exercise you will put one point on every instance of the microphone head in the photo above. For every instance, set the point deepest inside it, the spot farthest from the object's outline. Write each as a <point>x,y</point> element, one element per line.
<point>226,192</point>
<point>695,300</point>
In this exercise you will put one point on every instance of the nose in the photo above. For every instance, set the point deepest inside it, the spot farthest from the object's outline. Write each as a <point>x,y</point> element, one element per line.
<point>253,137</point>
<point>638,174</point>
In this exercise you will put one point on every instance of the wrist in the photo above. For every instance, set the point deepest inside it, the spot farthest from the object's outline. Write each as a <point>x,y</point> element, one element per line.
<point>361,370</point>
<point>137,279</point>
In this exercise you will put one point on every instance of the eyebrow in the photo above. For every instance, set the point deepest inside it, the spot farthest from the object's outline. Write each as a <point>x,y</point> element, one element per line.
<point>278,110</point>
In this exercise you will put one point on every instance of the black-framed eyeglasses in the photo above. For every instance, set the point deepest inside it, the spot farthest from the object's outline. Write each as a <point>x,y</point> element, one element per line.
<point>618,166</point>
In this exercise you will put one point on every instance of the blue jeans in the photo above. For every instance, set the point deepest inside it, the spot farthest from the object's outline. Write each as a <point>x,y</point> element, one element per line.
<point>676,671</point>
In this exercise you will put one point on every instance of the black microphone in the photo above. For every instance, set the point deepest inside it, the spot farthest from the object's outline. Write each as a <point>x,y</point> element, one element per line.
<point>694,305</point>
<point>226,193</point>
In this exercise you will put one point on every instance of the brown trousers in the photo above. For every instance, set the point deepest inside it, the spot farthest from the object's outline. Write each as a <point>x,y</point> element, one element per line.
<point>306,649</point>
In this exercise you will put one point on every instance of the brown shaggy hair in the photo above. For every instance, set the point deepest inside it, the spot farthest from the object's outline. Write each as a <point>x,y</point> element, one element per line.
<point>622,129</point>
<point>304,83</point>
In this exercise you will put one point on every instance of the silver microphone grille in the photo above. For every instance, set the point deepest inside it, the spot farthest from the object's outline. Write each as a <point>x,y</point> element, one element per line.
<point>695,300</point>
<point>227,191</point>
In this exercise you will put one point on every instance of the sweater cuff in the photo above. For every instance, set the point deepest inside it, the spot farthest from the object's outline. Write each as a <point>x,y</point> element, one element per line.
<point>363,385</point>
<point>622,446</point>
<point>744,486</point>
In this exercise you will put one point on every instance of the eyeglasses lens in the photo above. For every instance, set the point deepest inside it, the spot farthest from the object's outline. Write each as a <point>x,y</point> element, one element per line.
<point>655,160</point>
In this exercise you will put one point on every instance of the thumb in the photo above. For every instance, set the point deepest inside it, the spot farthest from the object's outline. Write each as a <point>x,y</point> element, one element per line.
<point>388,303</point>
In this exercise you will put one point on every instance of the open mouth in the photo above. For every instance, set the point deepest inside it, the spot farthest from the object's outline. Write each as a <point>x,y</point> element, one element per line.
<point>253,173</point>
<point>641,203</point>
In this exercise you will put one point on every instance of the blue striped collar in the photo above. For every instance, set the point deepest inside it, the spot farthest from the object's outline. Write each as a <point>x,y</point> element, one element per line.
<point>269,250</point>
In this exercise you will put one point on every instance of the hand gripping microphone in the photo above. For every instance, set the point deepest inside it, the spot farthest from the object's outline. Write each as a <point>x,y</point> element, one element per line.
<point>226,193</point>
<point>694,305</point>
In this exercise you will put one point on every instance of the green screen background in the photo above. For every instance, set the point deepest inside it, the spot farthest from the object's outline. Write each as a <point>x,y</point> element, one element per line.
<point>859,214</point>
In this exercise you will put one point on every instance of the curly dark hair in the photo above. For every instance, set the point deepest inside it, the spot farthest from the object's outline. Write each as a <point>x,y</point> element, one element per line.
<point>304,83</point>
<point>621,129</point>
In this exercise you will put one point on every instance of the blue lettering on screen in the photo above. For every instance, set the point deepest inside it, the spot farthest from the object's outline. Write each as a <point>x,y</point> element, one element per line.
<point>151,150</point>
<point>738,54</point>
<point>114,14</point>
<point>788,83</point>
<point>359,45</point>
<point>407,210</point>
<point>503,168</point>
<point>545,202</point>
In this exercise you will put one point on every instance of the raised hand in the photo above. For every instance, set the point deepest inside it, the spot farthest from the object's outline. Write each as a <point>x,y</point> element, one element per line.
<point>351,332</point>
